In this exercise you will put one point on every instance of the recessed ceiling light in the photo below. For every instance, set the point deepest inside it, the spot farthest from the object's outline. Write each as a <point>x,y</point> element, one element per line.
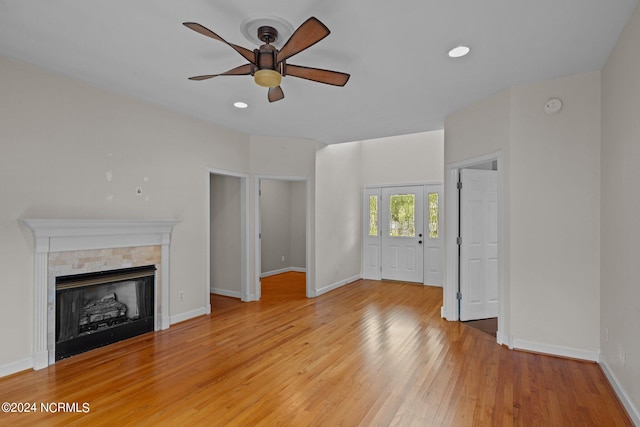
<point>459,51</point>
<point>240,104</point>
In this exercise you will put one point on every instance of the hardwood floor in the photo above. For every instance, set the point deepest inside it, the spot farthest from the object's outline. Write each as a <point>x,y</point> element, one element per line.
<point>488,326</point>
<point>369,353</point>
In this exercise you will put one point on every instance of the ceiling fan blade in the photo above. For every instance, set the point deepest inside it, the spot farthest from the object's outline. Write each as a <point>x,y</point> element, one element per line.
<point>246,53</point>
<point>242,70</point>
<point>275,94</point>
<point>329,77</point>
<point>309,33</point>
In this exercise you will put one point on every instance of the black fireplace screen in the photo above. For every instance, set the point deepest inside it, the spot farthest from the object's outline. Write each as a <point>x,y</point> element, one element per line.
<point>97,309</point>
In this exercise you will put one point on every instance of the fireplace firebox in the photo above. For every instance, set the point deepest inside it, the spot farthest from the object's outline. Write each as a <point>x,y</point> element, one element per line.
<point>96,309</point>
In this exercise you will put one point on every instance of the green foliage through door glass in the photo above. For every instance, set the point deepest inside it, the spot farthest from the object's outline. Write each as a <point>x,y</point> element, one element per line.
<point>373,215</point>
<point>402,209</point>
<point>433,215</point>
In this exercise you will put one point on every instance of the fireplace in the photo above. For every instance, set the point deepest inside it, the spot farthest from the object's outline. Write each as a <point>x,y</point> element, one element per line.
<point>96,309</point>
<point>65,247</point>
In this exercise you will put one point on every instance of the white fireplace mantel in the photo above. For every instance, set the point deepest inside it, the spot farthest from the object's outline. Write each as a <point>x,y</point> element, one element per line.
<point>61,235</point>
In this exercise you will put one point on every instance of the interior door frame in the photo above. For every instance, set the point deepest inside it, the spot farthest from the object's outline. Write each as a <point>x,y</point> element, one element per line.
<point>258,243</point>
<point>450,308</point>
<point>244,233</point>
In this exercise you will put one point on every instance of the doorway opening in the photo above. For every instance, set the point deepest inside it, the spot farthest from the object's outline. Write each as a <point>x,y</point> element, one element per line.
<point>282,225</point>
<point>227,235</point>
<point>474,266</point>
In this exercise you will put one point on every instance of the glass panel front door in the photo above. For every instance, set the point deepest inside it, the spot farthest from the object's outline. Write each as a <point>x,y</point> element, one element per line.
<point>401,238</point>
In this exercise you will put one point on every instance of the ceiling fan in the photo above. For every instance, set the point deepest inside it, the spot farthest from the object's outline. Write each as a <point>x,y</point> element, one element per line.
<point>268,64</point>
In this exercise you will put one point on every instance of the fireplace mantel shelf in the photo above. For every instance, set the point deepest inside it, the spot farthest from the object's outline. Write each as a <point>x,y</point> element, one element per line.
<point>58,235</point>
<point>96,227</point>
<point>62,235</point>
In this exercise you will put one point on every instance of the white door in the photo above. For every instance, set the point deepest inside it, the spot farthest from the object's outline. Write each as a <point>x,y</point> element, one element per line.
<point>433,252</point>
<point>402,233</point>
<point>479,244</point>
<point>371,232</point>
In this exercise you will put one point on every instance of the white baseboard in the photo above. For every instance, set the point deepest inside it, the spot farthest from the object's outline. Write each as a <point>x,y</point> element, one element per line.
<point>283,270</point>
<point>555,350</point>
<point>503,339</point>
<point>225,292</point>
<point>17,366</point>
<point>335,285</point>
<point>181,317</point>
<point>622,394</point>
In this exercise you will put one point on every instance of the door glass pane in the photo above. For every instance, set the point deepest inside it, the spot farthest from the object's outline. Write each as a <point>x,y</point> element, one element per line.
<point>373,215</point>
<point>402,208</point>
<point>433,215</point>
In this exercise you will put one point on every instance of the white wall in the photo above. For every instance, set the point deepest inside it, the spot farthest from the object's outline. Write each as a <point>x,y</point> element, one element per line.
<point>620,227</point>
<point>551,197</point>
<point>59,139</point>
<point>403,159</point>
<point>555,215</point>
<point>286,158</point>
<point>226,233</point>
<point>479,129</point>
<point>338,215</point>
<point>298,224</point>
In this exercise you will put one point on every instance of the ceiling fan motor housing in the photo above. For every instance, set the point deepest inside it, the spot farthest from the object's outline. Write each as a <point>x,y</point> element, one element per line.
<point>267,74</point>
<point>266,57</point>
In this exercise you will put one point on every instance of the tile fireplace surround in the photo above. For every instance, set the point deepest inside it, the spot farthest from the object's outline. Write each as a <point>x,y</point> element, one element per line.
<point>74,246</point>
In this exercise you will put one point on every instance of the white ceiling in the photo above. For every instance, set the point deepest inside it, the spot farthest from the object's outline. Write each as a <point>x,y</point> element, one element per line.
<point>401,78</point>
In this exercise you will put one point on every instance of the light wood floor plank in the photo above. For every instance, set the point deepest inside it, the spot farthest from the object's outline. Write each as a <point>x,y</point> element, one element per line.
<point>370,353</point>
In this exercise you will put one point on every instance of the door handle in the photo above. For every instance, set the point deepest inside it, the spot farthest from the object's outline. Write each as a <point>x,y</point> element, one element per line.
<point>419,242</point>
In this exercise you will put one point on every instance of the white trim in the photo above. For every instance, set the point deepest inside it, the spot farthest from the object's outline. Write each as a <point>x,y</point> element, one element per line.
<point>450,306</point>
<point>504,339</point>
<point>257,242</point>
<point>555,350</point>
<point>633,412</point>
<point>336,285</point>
<point>181,317</point>
<point>244,233</point>
<point>225,293</point>
<point>58,235</point>
<point>403,184</point>
<point>65,229</point>
<point>310,267</point>
<point>17,366</point>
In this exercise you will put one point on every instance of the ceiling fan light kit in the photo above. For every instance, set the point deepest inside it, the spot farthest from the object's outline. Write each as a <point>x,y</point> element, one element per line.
<point>267,78</point>
<point>268,65</point>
